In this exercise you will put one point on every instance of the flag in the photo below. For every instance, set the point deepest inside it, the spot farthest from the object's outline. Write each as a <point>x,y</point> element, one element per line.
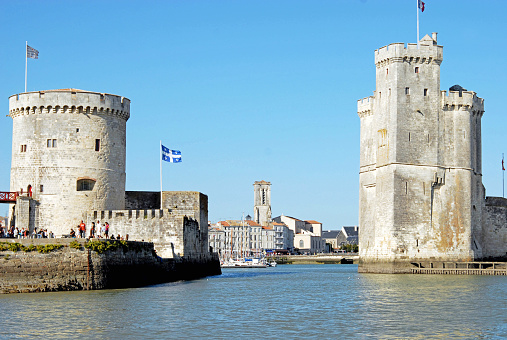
<point>171,156</point>
<point>32,52</point>
<point>420,4</point>
<point>503,168</point>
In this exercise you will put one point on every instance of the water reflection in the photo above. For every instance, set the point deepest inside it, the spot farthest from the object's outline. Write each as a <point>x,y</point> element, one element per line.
<point>293,301</point>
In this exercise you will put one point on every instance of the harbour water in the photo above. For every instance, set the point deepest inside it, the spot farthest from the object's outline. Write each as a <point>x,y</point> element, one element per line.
<point>288,301</point>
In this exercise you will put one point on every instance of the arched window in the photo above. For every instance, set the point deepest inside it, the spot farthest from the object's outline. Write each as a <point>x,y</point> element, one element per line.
<point>301,244</point>
<point>85,184</point>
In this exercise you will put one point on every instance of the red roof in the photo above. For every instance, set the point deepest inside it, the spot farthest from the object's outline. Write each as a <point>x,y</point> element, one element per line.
<point>313,222</point>
<point>253,223</point>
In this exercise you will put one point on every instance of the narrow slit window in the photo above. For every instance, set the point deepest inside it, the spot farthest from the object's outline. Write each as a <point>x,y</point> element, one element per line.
<point>23,148</point>
<point>425,92</point>
<point>54,143</point>
<point>409,136</point>
<point>417,70</point>
<point>407,90</point>
<point>97,145</point>
<point>41,188</point>
<point>406,187</point>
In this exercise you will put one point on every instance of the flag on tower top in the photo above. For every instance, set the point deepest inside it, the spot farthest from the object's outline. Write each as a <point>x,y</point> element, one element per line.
<point>503,168</point>
<point>32,52</point>
<point>171,156</point>
<point>420,4</point>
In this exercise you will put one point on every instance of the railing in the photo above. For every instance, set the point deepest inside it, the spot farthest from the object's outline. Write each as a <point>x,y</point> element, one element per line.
<point>8,197</point>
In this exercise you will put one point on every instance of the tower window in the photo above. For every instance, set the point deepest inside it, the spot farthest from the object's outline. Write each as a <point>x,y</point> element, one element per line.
<point>23,147</point>
<point>425,92</point>
<point>41,188</point>
<point>409,136</point>
<point>387,71</point>
<point>97,144</point>
<point>51,143</point>
<point>417,70</point>
<point>407,90</point>
<point>85,184</point>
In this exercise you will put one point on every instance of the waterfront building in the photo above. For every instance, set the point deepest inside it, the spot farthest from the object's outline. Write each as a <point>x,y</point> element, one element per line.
<point>314,226</point>
<point>348,235</point>
<point>421,195</point>
<point>331,237</point>
<point>294,224</point>
<point>240,238</point>
<point>308,243</point>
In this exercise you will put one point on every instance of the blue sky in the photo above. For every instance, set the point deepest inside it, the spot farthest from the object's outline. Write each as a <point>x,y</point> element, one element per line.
<point>249,90</point>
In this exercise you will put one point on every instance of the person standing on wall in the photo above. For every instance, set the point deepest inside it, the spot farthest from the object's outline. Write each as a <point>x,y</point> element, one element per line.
<point>99,229</point>
<point>82,229</point>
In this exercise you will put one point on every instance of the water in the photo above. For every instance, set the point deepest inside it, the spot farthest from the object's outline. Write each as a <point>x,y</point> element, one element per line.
<point>291,301</point>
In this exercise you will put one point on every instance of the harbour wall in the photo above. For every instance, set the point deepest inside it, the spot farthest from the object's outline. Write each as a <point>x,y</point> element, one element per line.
<point>132,264</point>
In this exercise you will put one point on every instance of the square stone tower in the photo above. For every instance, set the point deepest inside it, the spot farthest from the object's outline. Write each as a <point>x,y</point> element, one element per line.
<point>262,202</point>
<point>421,191</point>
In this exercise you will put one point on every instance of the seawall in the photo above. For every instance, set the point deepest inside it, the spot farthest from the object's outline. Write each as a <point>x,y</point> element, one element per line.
<point>74,267</point>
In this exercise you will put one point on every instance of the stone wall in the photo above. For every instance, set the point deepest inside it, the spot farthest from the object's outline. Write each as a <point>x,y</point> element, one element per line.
<point>81,269</point>
<point>494,235</point>
<point>137,200</point>
<point>170,233</point>
<point>178,230</point>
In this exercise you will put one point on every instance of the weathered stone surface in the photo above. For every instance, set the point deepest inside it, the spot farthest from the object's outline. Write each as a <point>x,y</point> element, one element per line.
<point>60,130</point>
<point>35,272</point>
<point>421,192</point>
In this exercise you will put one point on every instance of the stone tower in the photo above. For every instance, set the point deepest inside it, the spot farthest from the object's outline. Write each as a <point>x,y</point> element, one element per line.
<point>262,202</point>
<point>421,191</point>
<point>68,156</point>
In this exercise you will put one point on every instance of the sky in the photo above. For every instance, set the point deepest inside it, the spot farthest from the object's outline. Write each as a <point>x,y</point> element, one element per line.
<point>249,90</point>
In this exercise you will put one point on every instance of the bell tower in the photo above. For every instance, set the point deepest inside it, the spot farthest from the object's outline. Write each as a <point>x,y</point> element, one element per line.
<point>262,202</point>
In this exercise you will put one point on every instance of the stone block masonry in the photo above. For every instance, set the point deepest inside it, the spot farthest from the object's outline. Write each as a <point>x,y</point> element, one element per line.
<point>82,269</point>
<point>180,229</point>
<point>421,196</point>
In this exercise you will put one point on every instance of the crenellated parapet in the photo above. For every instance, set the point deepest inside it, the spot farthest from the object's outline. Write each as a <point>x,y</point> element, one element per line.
<point>428,52</point>
<point>365,107</point>
<point>68,101</point>
<point>462,100</point>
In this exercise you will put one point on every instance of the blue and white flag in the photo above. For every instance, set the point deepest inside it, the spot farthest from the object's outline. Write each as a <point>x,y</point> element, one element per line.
<point>171,156</point>
<point>32,52</point>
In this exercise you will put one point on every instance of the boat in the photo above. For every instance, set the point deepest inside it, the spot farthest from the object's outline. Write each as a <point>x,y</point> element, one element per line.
<point>244,263</point>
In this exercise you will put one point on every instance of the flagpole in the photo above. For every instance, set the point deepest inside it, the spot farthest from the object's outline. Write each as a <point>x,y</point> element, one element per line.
<point>26,63</point>
<point>503,178</point>
<point>417,8</point>
<point>160,175</point>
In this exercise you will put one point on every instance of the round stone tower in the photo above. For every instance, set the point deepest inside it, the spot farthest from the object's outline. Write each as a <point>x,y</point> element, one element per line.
<point>68,156</point>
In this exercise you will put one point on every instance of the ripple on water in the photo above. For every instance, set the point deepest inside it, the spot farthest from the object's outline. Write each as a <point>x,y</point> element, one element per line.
<point>291,301</point>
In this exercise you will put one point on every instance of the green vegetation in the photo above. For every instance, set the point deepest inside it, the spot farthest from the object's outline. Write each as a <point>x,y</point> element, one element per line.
<point>40,248</point>
<point>99,246</point>
<point>103,246</point>
<point>75,245</point>
<point>350,248</point>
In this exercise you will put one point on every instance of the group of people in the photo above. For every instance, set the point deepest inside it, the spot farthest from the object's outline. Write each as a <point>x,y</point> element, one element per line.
<point>97,230</point>
<point>14,232</point>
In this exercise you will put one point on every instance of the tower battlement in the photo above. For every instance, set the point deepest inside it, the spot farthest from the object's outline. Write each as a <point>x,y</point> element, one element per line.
<point>465,99</point>
<point>68,101</point>
<point>365,106</point>
<point>428,52</point>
